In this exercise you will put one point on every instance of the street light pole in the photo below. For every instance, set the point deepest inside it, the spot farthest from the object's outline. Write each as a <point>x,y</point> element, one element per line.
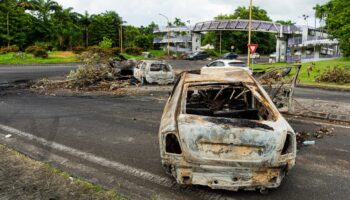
<point>168,32</point>
<point>250,30</point>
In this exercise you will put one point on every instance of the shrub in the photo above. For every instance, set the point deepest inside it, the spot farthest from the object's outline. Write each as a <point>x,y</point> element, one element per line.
<point>335,75</point>
<point>78,49</point>
<point>37,51</point>
<point>44,45</point>
<point>212,53</point>
<point>106,43</point>
<point>134,50</point>
<point>12,48</point>
<point>41,53</point>
<point>31,49</point>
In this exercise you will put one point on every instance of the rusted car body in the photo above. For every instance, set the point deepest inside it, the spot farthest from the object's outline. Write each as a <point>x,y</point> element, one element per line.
<point>153,71</point>
<point>223,131</point>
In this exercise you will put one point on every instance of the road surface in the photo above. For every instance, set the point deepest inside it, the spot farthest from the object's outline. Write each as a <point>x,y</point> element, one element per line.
<point>26,73</point>
<point>113,141</point>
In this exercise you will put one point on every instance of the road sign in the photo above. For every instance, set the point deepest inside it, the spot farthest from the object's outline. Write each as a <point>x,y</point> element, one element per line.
<point>253,48</point>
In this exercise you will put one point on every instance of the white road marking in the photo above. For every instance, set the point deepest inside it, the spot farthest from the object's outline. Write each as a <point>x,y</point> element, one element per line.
<point>139,173</point>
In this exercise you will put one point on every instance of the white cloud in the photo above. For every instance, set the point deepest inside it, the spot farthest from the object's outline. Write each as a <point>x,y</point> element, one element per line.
<point>142,12</point>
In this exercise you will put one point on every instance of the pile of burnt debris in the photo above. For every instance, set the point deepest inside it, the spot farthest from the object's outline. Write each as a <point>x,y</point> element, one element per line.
<point>100,73</point>
<point>305,138</point>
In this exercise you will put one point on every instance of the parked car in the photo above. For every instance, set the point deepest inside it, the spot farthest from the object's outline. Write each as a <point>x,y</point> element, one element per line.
<point>153,71</point>
<point>225,65</point>
<point>223,131</point>
<point>199,55</point>
<point>229,56</point>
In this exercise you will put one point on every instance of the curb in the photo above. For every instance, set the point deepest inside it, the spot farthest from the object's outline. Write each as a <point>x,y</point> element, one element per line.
<point>327,88</point>
<point>327,116</point>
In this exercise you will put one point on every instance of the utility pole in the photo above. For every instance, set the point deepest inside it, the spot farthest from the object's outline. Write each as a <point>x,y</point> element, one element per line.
<point>250,30</point>
<point>168,31</point>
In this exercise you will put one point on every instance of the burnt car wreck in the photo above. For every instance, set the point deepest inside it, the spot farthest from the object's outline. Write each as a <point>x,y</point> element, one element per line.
<point>223,131</point>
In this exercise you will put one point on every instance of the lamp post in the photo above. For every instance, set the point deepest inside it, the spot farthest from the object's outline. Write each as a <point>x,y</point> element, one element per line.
<point>168,32</point>
<point>250,30</point>
<point>121,35</point>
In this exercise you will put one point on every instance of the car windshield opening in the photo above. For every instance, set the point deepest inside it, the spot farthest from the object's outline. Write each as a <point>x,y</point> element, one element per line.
<point>225,100</point>
<point>158,67</point>
<point>237,64</point>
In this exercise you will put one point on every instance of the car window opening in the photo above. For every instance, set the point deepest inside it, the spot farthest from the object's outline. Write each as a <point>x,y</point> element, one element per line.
<point>237,64</point>
<point>225,100</point>
<point>159,67</point>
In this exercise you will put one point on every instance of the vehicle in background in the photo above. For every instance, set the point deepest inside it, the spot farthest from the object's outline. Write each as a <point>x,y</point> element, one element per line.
<point>255,56</point>
<point>154,72</point>
<point>223,65</point>
<point>222,130</point>
<point>229,56</point>
<point>199,55</point>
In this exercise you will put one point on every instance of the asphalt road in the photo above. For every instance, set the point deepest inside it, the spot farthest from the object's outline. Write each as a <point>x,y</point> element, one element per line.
<point>113,141</point>
<point>13,73</point>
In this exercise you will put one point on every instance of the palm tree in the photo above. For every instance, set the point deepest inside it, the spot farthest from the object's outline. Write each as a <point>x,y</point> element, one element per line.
<point>44,8</point>
<point>85,21</point>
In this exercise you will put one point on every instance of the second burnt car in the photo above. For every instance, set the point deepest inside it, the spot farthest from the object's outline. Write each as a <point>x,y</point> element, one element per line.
<point>154,71</point>
<point>223,131</point>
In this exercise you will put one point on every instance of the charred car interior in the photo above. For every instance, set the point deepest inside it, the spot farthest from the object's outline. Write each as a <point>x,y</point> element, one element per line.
<point>223,131</point>
<point>225,100</point>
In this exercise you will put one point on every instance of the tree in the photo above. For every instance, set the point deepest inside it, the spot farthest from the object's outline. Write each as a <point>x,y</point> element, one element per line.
<point>285,23</point>
<point>337,16</point>
<point>178,22</point>
<point>85,21</point>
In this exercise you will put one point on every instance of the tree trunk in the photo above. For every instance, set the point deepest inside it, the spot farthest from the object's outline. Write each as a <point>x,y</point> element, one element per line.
<point>86,37</point>
<point>8,30</point>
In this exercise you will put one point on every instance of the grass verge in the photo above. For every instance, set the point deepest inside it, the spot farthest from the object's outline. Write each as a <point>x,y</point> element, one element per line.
<point>309,79</point>
<point>156,53</point>
<point>24,178</point>
<point>24,58</point>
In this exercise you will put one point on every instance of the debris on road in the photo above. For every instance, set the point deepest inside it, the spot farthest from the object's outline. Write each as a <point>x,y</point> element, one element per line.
<point>8,136</point>
<point>306,138</point>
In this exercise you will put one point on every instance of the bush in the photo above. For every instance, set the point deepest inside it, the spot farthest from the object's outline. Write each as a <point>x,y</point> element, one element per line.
<point>106,51</point>
<point>41,53</point>
<point>78,49</point>
<point>106,43</point>
<point>44,45</point>
<point>212,53</point>
<point>335,75</point>
<point>134,50</point>
<point>12,48</point>
<point>37,51</point>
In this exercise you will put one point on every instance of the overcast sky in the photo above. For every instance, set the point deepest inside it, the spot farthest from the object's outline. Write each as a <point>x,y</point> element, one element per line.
<point>143,12</point>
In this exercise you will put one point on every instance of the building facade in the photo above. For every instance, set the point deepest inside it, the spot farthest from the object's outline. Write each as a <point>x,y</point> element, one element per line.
<point>180,38</point>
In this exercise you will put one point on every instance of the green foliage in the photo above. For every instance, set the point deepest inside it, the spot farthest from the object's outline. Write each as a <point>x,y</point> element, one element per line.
<point>213,53</point>
<point>37,51</point>
<point>78,49</point>
<point>106,43</point>
<point>134,50</point>
<point>337,15</point>
<point>144,41</point>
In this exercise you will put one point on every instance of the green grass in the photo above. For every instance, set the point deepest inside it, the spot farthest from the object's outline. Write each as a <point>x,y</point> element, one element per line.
<point>156,53</point>
<point>54,57</point>
<point>319,68</point>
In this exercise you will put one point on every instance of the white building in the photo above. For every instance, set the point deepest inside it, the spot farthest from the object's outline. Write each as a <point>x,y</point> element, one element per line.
<point>180,38</point>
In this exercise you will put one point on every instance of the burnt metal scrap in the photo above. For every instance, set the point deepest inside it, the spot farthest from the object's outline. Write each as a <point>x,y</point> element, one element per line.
<point>280,83</point>
<point>223,131</point>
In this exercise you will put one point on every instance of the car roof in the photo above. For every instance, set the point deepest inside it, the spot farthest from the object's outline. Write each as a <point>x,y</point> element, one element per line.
<point>229,76</point>
<point>228,61</point>
<point>154,62</point>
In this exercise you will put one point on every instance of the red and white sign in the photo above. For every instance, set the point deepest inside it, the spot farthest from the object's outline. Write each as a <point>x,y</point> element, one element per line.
<point>253,48</point>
